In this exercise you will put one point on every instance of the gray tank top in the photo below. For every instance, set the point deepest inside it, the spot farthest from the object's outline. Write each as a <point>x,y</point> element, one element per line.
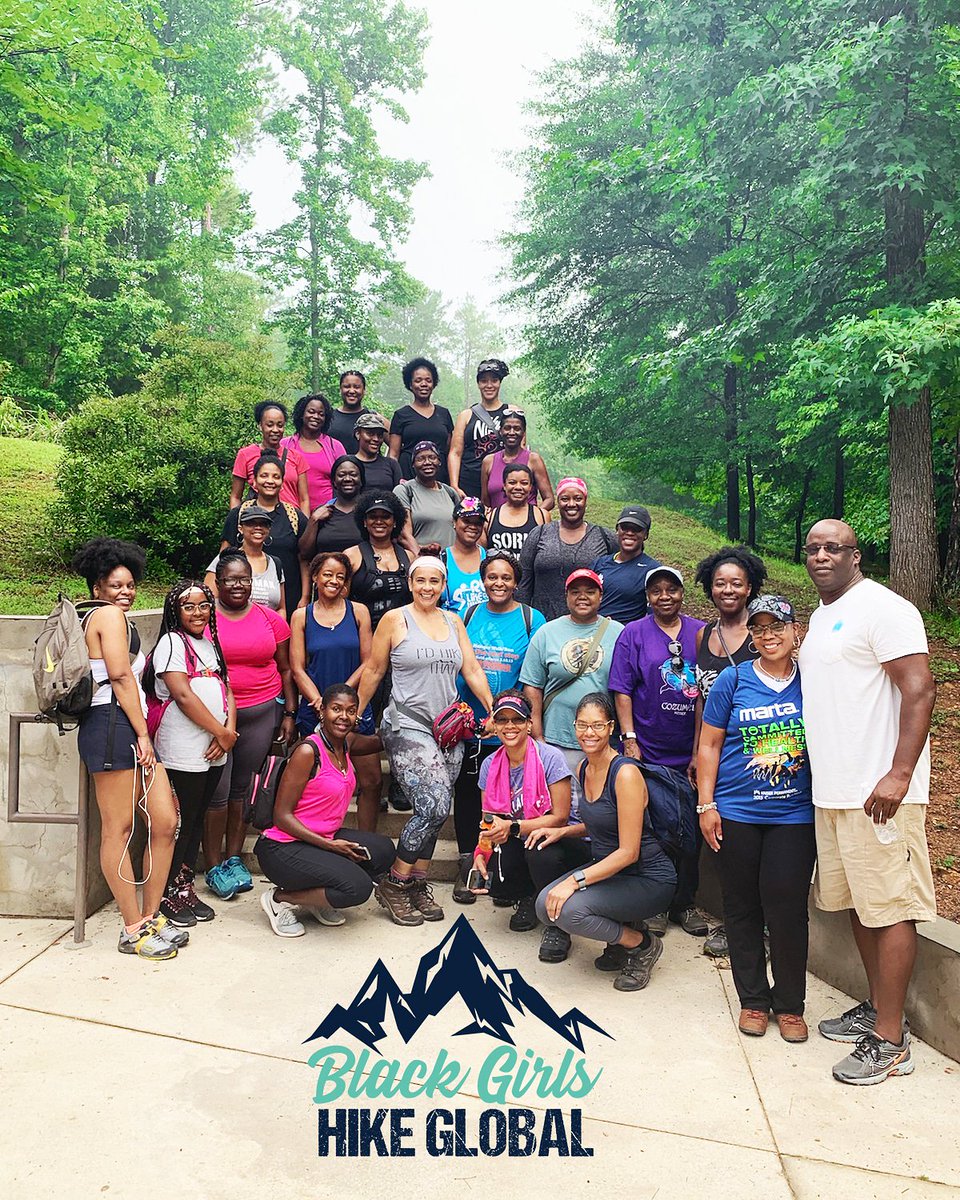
<point>424,676</point>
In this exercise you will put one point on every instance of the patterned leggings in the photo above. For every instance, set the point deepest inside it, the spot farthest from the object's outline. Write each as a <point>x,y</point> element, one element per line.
<point>426,776</point>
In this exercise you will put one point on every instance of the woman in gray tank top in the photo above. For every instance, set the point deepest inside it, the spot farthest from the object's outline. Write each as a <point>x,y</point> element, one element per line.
<point>425,649</point>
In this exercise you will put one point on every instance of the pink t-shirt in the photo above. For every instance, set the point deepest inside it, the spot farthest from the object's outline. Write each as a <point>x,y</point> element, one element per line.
<point>325,798</point>
<point>317,464</point>
<point>249,645</point>
<point>293,468</point>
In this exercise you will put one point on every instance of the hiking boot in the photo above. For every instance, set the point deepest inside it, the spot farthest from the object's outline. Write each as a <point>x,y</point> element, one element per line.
<point>170,933</point>
<point>637,966</point>
<point>461,893</point>
<point>690,920</point>
<point>234,867</point>
<point>221,882</point>
<point>874,1059</point>
<point>657,925</point>
<point>716,944</point>
<point>793,1028</point>
<point>501,902</point>
<point>753,1021</point>
<point>851,1025</point>
<point>554,945</point>
<point>326,916</point>
<point>146,943</point>
<point>174,907</point>
<point>524,915</point>
<point>184,882</point>
<point>397,899</point>
<point>421,894</point>
<point>612,958</point>
<point>281,915</point>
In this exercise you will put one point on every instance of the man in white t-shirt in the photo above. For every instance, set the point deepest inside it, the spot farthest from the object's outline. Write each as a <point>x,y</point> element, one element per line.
<point>867,700</point>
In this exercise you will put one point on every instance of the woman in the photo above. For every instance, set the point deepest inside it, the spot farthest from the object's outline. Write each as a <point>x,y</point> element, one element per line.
<point>319,451</point>
<point>256,646</point>
<point>756,814</point>
<point>425,648</point>
<point>286,528</point>
<point>464,558</point>
<point>272,419</point>
<point>380,471</point>
<point>421,420</point>
<point>429,502</point>
<point>329,643</point>
<point>315,863</point>
<point>524,786</point>
<point>499,630</point>
<point>353,388</point>
<point>731,578</point>
<point>629,877</point>
<point>509,526</point>
<point>513,430</point>
<point>186,680</point>
<point>379,564</point>
<point>332,527</point>
<point>551,552</point>
<point>476,432</point>
<point>116,749</point>
<point>253,527</point>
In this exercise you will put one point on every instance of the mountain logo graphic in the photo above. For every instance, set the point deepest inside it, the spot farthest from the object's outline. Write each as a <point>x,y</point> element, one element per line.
<point>459,966</point>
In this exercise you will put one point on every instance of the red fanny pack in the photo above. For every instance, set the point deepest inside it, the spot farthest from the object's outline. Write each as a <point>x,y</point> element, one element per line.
<point>455,724</point>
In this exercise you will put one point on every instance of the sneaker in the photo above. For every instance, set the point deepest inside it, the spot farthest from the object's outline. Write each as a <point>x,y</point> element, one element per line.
<point>174,908</point>
<point>397,899</point>
<point>170,933</point>
<point>851,1025</point>
<point>398,801</point>
<point>657,925</point>
<point>221,882</point>
<point>637,966</point>
<point>202,911</point>
<point>501,902</point>
<point>874,1060</point>
<point>461,893</point>
<point>793,1028</point>
<point>281,915</point>
<point>233,866</point>
<point>146,943</point>
<point>326,916</point>
<point>612,958</point>
<point>421,894</point>
<point>690,920</point>
<point>524,915</point>
<point>554,945</point>
<point>716,944</point>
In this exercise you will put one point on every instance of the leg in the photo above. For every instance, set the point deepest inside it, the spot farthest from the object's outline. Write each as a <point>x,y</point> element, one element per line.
<point>787,855</point>
<point>509,876</point>
<point>256,726</point>
<point>215,820</point>
<point>188,788</point>
<point>739,862</point>
<point>192,845</point>
<point>556,860</point>
<point>162,810</point>
<point>895,955</point>
<point>114,792</point>
<point>426,777</point>
<point>306,874</point>
<point>370,787</point>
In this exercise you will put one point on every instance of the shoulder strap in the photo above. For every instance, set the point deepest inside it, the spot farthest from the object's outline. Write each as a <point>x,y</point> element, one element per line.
<point>283,459</point>
<point>403,558</point>
<point>366,556</point>
<point>470,613</point>
<point>293,516</point>
<point>527,617</point>
<point>584,660</point>
<point>482,415</point>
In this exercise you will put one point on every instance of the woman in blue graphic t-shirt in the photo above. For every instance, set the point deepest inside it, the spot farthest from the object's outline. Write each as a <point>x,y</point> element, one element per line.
<point>756,812</point>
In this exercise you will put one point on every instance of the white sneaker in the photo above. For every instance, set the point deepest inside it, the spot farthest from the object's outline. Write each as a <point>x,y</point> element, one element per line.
<point>326,916</point>
<point>282,916</point>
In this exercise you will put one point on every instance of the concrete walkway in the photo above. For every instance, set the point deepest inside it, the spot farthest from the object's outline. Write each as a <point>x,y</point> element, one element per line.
<point>188,1079</point>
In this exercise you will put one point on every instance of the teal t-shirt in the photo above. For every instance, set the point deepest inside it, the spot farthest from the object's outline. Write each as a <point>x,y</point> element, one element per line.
<point>500,642</point>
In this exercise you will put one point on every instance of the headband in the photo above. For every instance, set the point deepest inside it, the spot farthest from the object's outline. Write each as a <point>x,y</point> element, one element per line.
<point>427,560</point>
<point>572,481</point>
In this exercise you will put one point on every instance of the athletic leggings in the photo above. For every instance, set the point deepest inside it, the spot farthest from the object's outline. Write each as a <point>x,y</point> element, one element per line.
<point>426,776</point>
<point>194,791</point>
<point>765,873</point>
<point>256,729</point>
<point>299,866</point>
<point>466,796</point>
<point>601,910</point>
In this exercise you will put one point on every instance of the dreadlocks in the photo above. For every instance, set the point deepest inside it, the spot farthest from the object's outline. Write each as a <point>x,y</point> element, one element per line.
<point>172,623</point>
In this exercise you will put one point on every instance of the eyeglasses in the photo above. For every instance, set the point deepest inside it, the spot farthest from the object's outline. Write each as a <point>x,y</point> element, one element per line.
<point>675,650</point>
<point>773,627</point>
<point>591,726</point>
<point>189,607</point>
<point>830,547</point>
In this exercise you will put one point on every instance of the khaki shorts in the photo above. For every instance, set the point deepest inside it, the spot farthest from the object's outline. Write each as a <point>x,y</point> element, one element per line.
<point>885,884</point>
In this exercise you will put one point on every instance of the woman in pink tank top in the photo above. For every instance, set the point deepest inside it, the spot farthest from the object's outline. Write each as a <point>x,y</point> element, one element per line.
<point>513,429</point>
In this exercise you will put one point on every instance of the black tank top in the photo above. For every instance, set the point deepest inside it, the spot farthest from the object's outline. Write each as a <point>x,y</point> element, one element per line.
<point>504,537</point>
<point>480,438</point>
<point>709,665</point>
<point>380,591</point>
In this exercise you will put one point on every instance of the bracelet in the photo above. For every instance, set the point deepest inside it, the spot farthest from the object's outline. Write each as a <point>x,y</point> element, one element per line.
<point>702,808</point>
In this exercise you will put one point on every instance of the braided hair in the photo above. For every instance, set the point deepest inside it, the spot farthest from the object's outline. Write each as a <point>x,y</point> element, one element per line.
<point>172,623</point>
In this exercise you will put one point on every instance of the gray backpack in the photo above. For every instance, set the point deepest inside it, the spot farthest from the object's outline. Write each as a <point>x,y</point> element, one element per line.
<point>61,665</point>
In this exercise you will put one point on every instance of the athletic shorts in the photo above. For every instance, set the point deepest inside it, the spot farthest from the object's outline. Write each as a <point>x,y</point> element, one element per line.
<point>884,883</point>
<point>95,734</point>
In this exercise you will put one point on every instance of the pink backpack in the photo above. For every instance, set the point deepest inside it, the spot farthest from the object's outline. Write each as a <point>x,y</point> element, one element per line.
<point>156,707</point>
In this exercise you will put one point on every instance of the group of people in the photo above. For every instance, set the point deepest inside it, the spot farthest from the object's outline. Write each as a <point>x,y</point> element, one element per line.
<point>540,679</point>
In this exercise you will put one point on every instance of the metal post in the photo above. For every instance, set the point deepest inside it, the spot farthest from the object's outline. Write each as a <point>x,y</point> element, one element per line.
<point>80,884</point>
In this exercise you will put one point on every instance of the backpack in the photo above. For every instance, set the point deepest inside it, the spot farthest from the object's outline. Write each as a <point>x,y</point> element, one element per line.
<point>258,808</point>
<point>62,676</point>
<point>156,707</point>
<point>524,608</point>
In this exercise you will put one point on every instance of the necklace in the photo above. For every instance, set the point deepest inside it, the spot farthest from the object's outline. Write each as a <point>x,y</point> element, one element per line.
<point>777,678</point>
<point>336,622</point>
<point>340,762</point>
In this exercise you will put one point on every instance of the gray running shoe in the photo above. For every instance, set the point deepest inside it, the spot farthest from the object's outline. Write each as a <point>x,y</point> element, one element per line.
<point>612,958</point>
<point>554,944</point>
<point>690,920</point>
<point>326,916</point>
<point>658,924</point>
<point>851,1025</point>
<point>146,943</point>
<point>874,1060</point>
<point>716,944</point>
<point>637,966</point>
<point>281,915</point>
<point>169,932</point>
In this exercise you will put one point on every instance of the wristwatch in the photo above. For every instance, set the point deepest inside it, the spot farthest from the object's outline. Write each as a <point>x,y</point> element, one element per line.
<point>629,735</point>
<point>288,713</point>
<point>702,808</point>
<point>581,881</point>
<point>514,828</point>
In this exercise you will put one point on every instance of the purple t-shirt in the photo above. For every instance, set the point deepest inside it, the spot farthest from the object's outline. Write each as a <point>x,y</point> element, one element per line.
<point>663,696</point>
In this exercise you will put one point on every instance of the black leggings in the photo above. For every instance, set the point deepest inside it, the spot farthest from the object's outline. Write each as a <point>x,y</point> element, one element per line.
<point>194,791</point>
<point>299,866</point>
<point>515,872</point>
<point>765,873</point>
<point>466,797</point>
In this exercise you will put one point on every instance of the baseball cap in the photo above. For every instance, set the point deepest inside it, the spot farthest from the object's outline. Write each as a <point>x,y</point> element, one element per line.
<point>635,514</point>
<point>372,420</point>
<point>511,703</point>
<point>470,506</point>
<point>493,366</point>
<point>655,571</point>
<point>381,504</point>
<point>255,513</point>
<point>778,607</point>
<point>583,573</point>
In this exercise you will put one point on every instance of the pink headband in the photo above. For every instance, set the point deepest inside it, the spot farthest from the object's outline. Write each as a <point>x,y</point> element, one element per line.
<point>571,481</point>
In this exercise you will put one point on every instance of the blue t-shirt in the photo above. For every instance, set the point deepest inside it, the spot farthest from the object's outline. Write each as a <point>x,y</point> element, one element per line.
<point>463,588</point>
<point>624,596</point>
<point>500,641</point>
<point>764,772</point>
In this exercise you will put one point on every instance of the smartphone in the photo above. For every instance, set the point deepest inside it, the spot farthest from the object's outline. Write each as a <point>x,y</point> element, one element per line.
<point>477,881</point>
<point>362,851</point>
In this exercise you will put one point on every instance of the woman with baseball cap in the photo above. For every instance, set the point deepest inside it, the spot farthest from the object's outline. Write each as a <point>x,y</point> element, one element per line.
<point>477,431</point>
<point>254,529</point>
<point>380,470</point>
<point>464,558</point>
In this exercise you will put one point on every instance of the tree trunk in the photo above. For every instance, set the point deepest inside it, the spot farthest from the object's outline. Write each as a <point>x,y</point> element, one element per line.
<point>951,566</point>
<point>751,505</point>
<point>730,439</point>
<point>801,514</point>
<point>314,303</point>
<point>839,480</point>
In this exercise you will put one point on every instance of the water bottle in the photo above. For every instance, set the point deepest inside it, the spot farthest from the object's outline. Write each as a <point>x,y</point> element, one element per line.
<point>886,834</point>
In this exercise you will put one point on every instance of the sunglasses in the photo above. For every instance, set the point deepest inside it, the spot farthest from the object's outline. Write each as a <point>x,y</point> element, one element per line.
<point>675,650</point>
